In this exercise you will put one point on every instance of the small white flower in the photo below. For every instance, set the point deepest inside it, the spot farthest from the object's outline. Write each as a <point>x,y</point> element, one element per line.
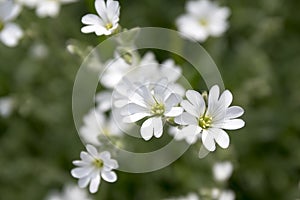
<point>103,100</point>
<point>209,121</point>
<point>107,21</point>
<point>97,125</point>
<point>10,33</point>
<point>227,195</point>
<point>50,8</point>
<point>154,101</point>
<point>222,171</point>
<point>70,192</point>
<point>92,166</point>
<point>6,106</point>
<point>204,18</point>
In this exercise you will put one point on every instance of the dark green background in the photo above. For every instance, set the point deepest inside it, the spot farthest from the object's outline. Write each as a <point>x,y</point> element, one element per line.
<point>259,61</point>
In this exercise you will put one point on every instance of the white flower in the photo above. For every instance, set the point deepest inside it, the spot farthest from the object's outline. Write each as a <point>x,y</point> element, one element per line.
<point>204,18</point>
<point>209,120</point>
<point>10,33</point>
<point>222,170</point>
<point>222,194</point>
<point>107,21</point>
<point>50,8</point>
<point>6,106</point>
<point>97,125</point>
<point>70,192</point>
<point>92,166</point>
<point>154,101</point>
<point>103,100</point>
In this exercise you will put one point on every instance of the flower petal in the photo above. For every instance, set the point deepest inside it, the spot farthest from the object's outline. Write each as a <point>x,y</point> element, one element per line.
<point>95,182</point>
<point>233,124</point>
<point>208,140</point>
<point>91,19</point>
<point>186,119</point>
<point>188,107</point>
<point>147,129</point>
<point>175,111</point>
<point>234,112</point>
<point>226,98</point>
<point>221,137</point>
<point>109,176</point>
<point>197,100</point>
<point>92,150</point>
<point>135,117</point>
<point>157,126</point>
<point>83,182</point>
<point>80,172</point>
<point>188,133</point>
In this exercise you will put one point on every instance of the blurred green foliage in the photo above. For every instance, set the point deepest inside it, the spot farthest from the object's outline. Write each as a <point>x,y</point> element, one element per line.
<point>259,61</point>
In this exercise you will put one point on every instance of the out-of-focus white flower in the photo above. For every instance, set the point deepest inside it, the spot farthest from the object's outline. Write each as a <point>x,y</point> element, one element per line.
<point>203,18</point>
<point>209,121</point>
<point>107,21</point>
<point>190,196</point>
<point>155,101</point>
<point>50,8</point>
<point>104,101</point>
<point>97,125</point>
<point>227,195</point>
<point>70,192</point>
<point>6,106</point>
<point>39,50</point>
<point>222,170</point>
<point>10,33</point>
<point>92,166</point>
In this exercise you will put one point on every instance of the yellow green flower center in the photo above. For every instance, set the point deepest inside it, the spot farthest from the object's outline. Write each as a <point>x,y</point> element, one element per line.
<point>158,109</point>
<point>108,26</point>
<point>98,163</point>
<point>1,25</point>
<point>205,122</point>
<point>203,22</point>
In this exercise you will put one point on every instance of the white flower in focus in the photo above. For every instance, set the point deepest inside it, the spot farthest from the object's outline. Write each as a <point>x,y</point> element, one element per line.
<point>70,192</point>
<point>97,125</point>
<point>50,8</point>
<point>154,101</point>
<point>209,121</point>
<point>10,33</point>
<point>92,167</point>
<point>107,21</point>
<point>222,171</point>
<point>203,18</point>
<point>6,106</point>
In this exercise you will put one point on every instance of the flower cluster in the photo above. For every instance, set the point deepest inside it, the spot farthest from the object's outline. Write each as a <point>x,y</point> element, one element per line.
<point>142,91</point>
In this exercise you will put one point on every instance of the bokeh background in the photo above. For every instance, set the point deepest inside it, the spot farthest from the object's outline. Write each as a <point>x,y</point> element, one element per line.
<point>258,58</point>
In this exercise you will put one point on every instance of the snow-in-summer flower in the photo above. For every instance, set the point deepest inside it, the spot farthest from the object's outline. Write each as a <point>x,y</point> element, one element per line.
<point>70,192</point>
<point>97,125</point>
<point>106,22</point>
<point>154,101</point>
<point>49,8</point>
<point>6,106</point>
<point>10,33</point>
<point>218,194</point>
<point>204,18</point>
<point>208,121</point>
<point>92,167</point>
<point>222,170</point>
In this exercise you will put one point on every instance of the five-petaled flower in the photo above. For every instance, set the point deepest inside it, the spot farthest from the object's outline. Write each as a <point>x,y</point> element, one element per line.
<point>155,101</point>
<point>92,166</point>
<point>208,122</point>
<point>107,21</point>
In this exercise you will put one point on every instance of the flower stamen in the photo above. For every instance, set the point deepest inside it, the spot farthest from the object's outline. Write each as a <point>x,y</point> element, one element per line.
<point>98,163</point>
<point>108,26</point>
<point>158,109</point>
<point>205,122</point>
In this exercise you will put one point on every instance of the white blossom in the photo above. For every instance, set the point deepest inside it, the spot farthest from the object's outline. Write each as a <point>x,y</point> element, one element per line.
<point>203,18</point>
<point>97,125</point>
<point>208,122</point>
<point>70,192</point>
<point>222,170</point>
<point>50,8</point>
<point>6,106</point>
<point>92,167</point>
<point>10,33</point>
<point>104,101</point>
<point>107,21</point>
<point>154,101</point>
